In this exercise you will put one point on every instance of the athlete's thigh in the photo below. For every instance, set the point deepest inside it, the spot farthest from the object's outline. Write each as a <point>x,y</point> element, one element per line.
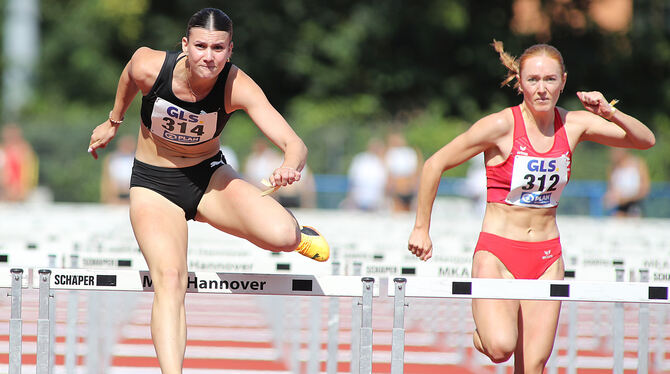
<point>160,229</point>
<point>539,320</point>
<point>235,206</point>
<point>493,317</point>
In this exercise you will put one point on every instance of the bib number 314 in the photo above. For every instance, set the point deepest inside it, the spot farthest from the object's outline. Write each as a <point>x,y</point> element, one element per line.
<point>178,125</point>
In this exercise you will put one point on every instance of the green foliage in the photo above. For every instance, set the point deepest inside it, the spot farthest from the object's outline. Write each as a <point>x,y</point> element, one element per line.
<point>341,72</point>
<point>334,129</point>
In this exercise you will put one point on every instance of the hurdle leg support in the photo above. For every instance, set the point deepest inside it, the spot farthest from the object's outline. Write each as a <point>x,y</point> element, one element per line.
<point>398,338</point>
<point>43,323</point>
<point>365,365</point>
<point>15,323</point>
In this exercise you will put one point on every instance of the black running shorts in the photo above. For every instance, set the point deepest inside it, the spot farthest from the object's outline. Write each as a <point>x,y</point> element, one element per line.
<point>182,186</point>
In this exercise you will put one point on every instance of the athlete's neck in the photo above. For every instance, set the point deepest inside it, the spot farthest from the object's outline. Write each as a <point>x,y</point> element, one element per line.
<point>544,121</point>
<point>198,87</point>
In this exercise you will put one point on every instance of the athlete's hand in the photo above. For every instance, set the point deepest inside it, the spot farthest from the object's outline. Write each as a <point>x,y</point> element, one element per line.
<point>284,176</point>
<point>595,102</point>
<point>102,135</point>
<point>420,244</point>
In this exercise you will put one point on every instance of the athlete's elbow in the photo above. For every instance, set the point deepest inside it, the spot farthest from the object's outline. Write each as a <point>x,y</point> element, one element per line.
<point>432,166</point>
<point>652,141</point>
<point>305,150</point>
<point>647,142</point>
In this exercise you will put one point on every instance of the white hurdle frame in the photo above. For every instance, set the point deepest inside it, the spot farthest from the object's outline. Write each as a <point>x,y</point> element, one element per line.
<point>52,279</point>
<point>15,282</point>
<point>516,289</point>
<point>363,289</point>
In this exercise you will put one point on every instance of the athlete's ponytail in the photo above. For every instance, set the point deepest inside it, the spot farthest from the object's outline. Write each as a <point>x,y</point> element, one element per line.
<point>514,65</point>
<point>509,61</point>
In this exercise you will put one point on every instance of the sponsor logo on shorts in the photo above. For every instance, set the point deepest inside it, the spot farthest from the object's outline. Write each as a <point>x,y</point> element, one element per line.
<point>535,198</point>
<point>180,138</point>
<point>215,163</point>
<point>547,255</point>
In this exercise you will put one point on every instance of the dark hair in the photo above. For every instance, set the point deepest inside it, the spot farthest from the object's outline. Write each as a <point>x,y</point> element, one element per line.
<point>210,19</point>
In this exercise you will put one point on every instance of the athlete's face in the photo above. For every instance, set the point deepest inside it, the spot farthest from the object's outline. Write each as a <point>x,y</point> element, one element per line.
<point>542,81</point>
<point>207,51</point>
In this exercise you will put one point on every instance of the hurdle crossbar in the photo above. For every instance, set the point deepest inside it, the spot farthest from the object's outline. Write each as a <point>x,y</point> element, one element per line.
<point>534,289</point>
<point>210,282</point>
<point>204,282</point>
<point>525,289</point>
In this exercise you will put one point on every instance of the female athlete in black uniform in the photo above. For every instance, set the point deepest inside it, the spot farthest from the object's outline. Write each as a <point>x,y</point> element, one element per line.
<point>179,173</point>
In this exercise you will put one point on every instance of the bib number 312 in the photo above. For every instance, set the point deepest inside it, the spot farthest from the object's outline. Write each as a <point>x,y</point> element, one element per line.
<point>538,181</point>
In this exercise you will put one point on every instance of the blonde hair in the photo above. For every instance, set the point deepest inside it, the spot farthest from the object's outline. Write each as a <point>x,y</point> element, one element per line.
<point>513,64</point>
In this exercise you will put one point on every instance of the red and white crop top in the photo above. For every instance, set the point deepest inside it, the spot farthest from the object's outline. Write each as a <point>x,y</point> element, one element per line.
<point>529,178</point>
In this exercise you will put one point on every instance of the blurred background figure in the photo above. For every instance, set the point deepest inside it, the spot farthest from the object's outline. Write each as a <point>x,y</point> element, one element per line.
<point>301,194</point>
<point>116,171</point>
<point>261,162</point>
<point>402,164</point>
<point>628,183</point>
<point>18,165</point>
<point>474,187</point>
<point>367,178</point>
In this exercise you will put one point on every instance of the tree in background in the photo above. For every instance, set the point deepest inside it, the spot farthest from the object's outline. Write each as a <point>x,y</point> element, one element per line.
<point>345,70</point>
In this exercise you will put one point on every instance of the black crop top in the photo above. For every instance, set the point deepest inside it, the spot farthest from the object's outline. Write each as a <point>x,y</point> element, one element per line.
<point>179,121</point>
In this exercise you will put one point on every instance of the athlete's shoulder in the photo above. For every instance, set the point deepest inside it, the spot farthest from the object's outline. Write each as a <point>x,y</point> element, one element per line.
<point>145,65</point>
<point>145,57</point>
<point>242,84</point>
<point>497,124</point>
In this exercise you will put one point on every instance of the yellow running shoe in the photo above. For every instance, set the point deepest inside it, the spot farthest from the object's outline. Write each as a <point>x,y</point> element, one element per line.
<point>313,245</point>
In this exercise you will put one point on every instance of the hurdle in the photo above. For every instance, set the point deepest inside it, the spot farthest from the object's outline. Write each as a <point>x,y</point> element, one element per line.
<point>520,289</point>
<point>15,282</point>
<point>52,279</point>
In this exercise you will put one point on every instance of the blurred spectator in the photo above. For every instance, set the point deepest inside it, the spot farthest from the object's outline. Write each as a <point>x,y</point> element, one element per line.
<point>116,171</point>
<point>260,164</point>
<point>367,178</point>
<point>402,164</point>
<point>231,157</point>
<point>628,183</point>
<point>301,194</point>
<point>18,165</point>
<point>474,187</point>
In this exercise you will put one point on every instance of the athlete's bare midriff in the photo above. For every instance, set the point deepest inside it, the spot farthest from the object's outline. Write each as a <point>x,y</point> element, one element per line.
<point>520,223</point>
<point>159,152</point>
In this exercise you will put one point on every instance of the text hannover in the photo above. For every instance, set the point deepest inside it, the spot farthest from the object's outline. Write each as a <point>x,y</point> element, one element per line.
<point>220,284</point>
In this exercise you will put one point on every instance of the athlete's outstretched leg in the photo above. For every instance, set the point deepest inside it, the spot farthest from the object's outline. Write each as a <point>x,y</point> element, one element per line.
<point>161,232</point>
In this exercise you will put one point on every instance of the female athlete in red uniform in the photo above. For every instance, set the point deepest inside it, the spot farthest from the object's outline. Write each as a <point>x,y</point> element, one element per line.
<point>527,149</point>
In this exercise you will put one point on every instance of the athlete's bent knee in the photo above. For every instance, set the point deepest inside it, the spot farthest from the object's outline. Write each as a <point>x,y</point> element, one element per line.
<point>285,237</point>
<point>499,349</point>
